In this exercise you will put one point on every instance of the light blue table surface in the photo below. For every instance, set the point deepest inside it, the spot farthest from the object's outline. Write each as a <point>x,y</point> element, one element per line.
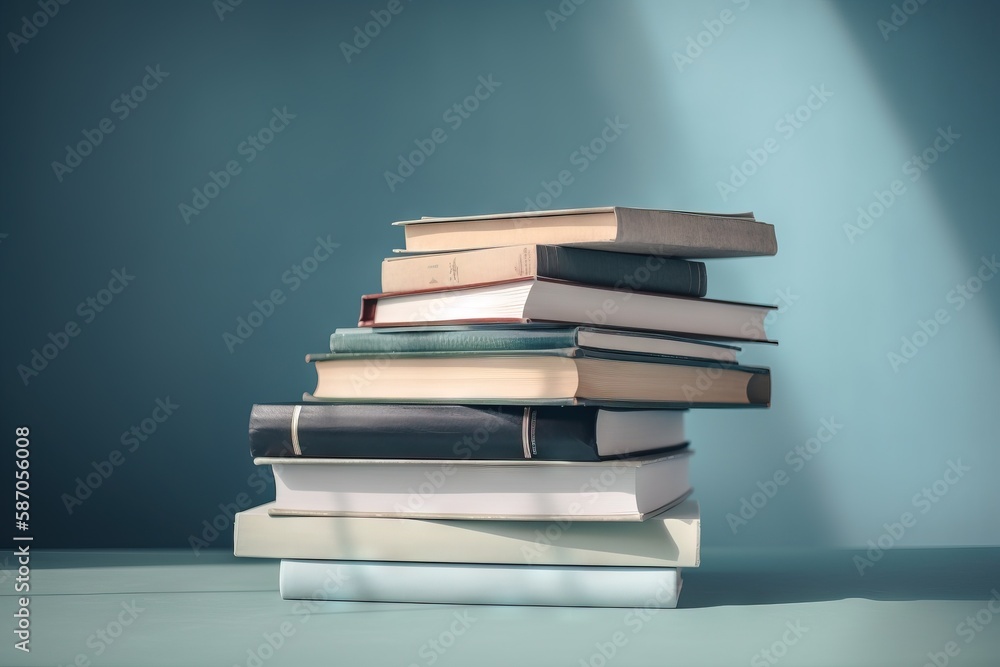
<point>739,608</point>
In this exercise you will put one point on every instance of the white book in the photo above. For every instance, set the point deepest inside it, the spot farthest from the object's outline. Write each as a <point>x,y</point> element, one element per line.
<point>544,300</point>
<point>457,583</point>
<point>670,539</point>
<point>613,490</point>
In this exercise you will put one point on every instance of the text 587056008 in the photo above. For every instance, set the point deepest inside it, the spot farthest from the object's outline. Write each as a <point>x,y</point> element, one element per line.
<point>22,515</point>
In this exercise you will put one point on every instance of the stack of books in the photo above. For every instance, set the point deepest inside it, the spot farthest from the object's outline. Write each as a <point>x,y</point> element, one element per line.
<point>506,423</point>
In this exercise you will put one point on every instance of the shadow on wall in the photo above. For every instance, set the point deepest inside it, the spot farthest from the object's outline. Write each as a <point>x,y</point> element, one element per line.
<point>956,41</point>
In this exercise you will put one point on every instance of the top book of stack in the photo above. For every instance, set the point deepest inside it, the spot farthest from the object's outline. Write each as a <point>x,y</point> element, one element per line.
<point>630,230</point>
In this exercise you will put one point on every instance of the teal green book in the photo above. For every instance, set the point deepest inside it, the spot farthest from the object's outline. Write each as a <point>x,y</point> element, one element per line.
<point>522,338</point>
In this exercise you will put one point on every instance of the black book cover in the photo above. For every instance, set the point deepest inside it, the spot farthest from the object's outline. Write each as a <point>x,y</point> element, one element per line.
<point>408,431</point>
<point>622,271</point>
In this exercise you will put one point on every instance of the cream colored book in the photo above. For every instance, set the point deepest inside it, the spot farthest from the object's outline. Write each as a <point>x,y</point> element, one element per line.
<point>670,539</point>
<point>619,270</point>
<point>644,231</point>
<point>557,377</point>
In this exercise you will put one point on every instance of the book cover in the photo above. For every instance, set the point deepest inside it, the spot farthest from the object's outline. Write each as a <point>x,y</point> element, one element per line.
<point>627,489</point>
<point>463,583</point>
<point>618,228</point>
<point>622,271</point>
<point>518,338</point>
<point>398,431</point>
<point>669,539</point>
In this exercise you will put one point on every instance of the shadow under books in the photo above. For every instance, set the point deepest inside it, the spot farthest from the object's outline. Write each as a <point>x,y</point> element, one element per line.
<point>741,578</point>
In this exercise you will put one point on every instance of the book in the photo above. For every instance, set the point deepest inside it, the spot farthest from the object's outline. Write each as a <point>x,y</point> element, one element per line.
<point>464,583</point>
<point>643,231</point>
<point>556,377</point>
<point>629,489</point>
<point>670,539</point>
<point>391,431</point>
<point>521,337</point>
<point>544,300</point>
<point>648,273</point>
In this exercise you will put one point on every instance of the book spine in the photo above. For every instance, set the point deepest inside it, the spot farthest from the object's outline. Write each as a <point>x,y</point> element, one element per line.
<point>391,431</point>
<point>451,341</point>
<point>623,271</point>
<point>464,583</point>
<point>368,304</point>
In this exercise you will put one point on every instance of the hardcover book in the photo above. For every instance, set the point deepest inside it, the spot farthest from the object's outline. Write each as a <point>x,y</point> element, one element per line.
<point>544,300</point>
<point>556,377</point>
<point>624,271</point>
<point>463,583</point>
<point>643,231</point>
<point>629,489</point>
<point>395,431</point>
<point>520,338</point>
<point>669,539</point>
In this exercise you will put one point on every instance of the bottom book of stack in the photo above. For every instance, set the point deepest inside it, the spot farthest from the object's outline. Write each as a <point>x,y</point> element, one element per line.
<point>545,563</point>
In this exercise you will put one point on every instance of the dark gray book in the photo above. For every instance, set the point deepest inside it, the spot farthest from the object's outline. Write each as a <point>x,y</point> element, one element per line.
<point>503,432</point>
<point>618,270</point>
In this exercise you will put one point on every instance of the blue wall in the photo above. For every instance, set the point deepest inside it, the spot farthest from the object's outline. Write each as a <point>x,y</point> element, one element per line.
<point>832,104</point>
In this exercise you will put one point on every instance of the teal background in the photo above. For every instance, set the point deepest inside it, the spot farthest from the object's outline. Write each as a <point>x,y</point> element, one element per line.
<point>844,306</point>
